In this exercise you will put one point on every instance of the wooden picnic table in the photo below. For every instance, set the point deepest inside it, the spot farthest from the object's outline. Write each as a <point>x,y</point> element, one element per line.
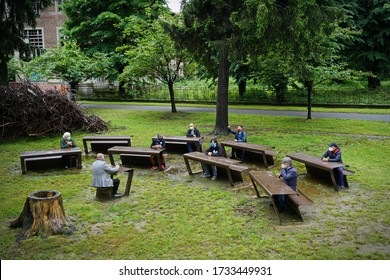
<point>230,165</point>
<point>136,152</point>
<point>46,154</point>
<point>109,141</point>
<point>264,151</point>
<point>323,169</point>
<point>271,186</point>
<point>183,140</point>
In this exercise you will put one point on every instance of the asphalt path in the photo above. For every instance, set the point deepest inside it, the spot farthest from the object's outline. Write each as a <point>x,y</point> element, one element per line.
<point>303,114</point>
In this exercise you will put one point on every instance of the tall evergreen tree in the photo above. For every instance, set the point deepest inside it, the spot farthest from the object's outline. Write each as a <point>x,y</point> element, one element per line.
<point>14,16</point>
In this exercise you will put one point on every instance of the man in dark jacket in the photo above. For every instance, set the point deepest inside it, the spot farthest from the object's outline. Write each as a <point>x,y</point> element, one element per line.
<point>333,154</point>
<point>192,132</point>
<point>215,150</point>
<point>158,143</point>
<point>289,175</point>
<point>240,136</point>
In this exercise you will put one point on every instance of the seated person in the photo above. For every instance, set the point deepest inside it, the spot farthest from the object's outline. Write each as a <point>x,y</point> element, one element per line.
<point>101,172</point>
<point>240,136</point>
<point>66,143</point>
<point>215,150</point>
<point>289,175</point>
<point>333,154</point>
<point>192,132</point>
<point>158,143</point>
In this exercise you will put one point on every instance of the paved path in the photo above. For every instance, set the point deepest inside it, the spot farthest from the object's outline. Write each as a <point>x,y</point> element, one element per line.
<point>303,114</point>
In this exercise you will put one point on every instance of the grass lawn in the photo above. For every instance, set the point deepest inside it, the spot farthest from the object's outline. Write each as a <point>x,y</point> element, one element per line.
<point>172,215</point>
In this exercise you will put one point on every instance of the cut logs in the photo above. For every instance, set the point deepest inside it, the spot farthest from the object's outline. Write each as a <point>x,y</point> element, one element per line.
<point>44,215</point>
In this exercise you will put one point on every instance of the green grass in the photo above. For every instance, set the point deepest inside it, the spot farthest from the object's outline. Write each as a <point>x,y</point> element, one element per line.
<point>174,215</point>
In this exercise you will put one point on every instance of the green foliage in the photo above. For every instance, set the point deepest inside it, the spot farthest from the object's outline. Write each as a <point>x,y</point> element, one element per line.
<point>70,64</point>
<point>14,16</point>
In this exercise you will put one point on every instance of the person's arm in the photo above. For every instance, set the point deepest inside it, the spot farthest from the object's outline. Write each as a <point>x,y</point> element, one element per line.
<point>64,144</point>
<point>325,155</point>
<point>110,170</point>
<point>73,143</point>
<point>219,153</point>
<point>337,158</point>
<point>287,175</point>
<point>189,134</point>
<point>208,151</point>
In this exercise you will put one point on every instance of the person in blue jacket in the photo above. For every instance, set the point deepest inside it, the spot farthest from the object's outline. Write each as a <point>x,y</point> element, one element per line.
<point>289,175</point>
<point>240,136</point>
<point>215,150</point>
<point>333,154</point>
<point>158,143</point>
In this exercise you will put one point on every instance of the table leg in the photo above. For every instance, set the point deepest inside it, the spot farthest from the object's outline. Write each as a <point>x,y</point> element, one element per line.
<point>85,146</point>
<point>111,158</point>
<point>129,180</point>
<point>276,209</point>
<point>188,166</point>
<point>22,164</point>
<point>255,187</point>
<point>159,162</point>
<point>333,178</point>
<point>264,159</point>
<point>229,173</point>
<point>79,165</point>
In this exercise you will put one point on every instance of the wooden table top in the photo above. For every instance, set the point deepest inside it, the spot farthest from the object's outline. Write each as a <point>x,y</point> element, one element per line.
<point>101,137</point>
<point>246,146</point>
<point>270,183</point>
<point>134,150</point>
<point>182,138</point>
<point>50,152</point>
<point>315,161</point>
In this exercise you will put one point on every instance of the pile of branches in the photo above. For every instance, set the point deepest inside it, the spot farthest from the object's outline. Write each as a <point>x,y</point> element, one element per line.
<point>26,110</point>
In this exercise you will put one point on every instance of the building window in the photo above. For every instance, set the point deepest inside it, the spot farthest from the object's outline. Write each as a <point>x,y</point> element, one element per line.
<point>34,37</point>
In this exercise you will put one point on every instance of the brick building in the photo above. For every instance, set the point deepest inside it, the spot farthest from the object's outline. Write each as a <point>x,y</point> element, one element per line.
<point>47,32</point>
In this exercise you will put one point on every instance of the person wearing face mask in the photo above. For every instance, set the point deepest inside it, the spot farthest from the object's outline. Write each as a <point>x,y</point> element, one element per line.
<point>333,154</point>
<point>215,150</point>
<point>66,143</point>
<point>289,175</point>
<point>192,132</point>
<point>240,136</point>
<point>158,143</point>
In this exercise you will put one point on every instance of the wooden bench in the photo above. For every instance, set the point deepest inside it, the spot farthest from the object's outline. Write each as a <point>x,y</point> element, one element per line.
<point>272,185</point>
<point>179,143</point>
<point>295,201</point>
<point>103,143</point>
<point>37,160</point>
<point>321,169</point>
<point>259,153</point>
<point>232,168</point>
<point>135,152</point>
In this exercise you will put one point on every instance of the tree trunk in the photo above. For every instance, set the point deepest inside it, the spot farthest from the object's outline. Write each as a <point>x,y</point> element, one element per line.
<point>281,90</point>
<point>373,82</point>
<point>44,215</point>
<point>242,88</point>
<point>221,121</point>
<point>172,97</point>
<point>309,88</point>
<point>3,70</point>
<point>74,85</point>
<point>122,89</point>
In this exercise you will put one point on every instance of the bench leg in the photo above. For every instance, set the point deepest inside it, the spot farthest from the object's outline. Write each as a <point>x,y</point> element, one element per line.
<point>255,187</point>
<point>85,146</point>
<point>129,180</point>
<point>265,160</point>
<point>229,173</point>
<point>188,166</point>
<point>276,209</point>
<point>23,165</point>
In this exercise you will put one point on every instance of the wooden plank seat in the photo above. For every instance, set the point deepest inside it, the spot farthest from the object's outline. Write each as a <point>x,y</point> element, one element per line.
<point>295,201</point>
<point>232,168</point>
<point>323,170</point>
<point>136,152</point>
<point>178,144</point>
<point>40,163</point>
<point>100,143</point>
<point>135,159</point>
<point>103,146</point>
<point>252,152</point>
<point>49,158</point>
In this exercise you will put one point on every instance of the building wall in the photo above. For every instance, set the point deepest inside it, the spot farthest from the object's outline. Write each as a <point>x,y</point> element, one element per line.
<point>50,22</point>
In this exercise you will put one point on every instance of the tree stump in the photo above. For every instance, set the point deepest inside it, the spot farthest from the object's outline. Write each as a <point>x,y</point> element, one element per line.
<point>44,215</point>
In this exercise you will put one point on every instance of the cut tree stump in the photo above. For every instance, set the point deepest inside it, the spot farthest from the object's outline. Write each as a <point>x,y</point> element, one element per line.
<point>44,215</point>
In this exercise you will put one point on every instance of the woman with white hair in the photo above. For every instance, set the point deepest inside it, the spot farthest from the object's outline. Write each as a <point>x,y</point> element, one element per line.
<point>289,175</point>
<point>66,143</point>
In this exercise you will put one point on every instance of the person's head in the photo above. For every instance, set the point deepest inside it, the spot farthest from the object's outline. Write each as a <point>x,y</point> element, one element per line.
<point>213,142</point>
<point>332,147</point>
<point>287,162</point>
<point>239,128</point>
<point>159,136</point>
<point>100,156</point>
<point>66,135</point>
<point>191,126</point>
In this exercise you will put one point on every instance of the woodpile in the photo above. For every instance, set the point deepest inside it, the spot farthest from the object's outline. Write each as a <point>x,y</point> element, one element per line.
<point>26,110</point>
